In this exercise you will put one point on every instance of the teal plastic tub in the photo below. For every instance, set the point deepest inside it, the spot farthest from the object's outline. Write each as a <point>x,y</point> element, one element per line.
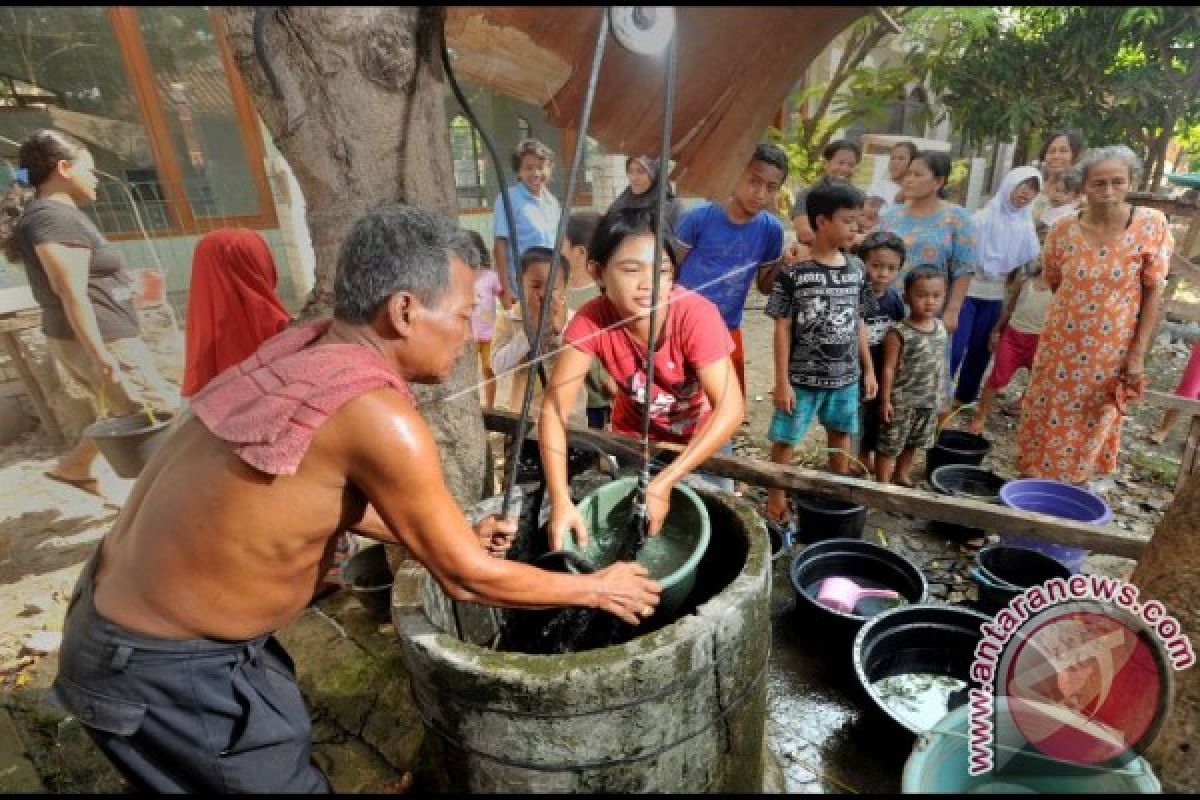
<point>938,765</point>
<point>671,557</point>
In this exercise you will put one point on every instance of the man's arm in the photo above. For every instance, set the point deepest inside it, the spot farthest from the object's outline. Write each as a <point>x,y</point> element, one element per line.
<point>391,457</point>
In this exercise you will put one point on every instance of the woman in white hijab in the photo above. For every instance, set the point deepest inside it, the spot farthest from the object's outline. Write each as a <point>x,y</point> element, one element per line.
<point>1007,242</point>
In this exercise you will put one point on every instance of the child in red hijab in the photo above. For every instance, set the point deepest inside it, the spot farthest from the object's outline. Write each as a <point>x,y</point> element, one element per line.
<point>232,306</point>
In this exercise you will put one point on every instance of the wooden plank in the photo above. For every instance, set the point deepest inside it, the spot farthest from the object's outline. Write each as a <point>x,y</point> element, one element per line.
<point>1187,312</point>
<point>20,322</point>
<point>1191,454</point>
<point>1167,400</point>
<point>885,497</point>
<point>44,412</point>
<point>1185,266</point>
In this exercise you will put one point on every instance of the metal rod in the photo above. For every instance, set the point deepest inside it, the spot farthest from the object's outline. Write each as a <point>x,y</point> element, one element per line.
<point>535,352</point>
<point>514,247</point>
<point>656,277</point>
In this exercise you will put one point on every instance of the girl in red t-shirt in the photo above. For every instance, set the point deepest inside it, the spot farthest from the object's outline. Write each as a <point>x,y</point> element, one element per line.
<point>695,401</point>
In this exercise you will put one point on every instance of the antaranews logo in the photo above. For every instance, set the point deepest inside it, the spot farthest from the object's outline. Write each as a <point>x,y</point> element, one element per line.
<point>1075,671</point>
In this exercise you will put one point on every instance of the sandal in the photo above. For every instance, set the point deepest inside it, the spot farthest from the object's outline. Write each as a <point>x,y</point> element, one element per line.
<point>781,535</point>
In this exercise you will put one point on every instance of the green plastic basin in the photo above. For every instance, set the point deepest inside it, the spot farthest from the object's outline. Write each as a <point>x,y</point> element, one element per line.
<point>938,765</point>
<point>671,557</point>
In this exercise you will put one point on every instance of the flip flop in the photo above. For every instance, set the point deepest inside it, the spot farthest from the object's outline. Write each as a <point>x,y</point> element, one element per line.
<point>782,532</point>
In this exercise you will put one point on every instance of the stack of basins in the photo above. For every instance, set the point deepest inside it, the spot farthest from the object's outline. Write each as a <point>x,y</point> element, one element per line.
<point>911,658</point>
<point>1060,500</point>
<point>956,447</point>
<point>1002,572</point>
<point>966,481</point>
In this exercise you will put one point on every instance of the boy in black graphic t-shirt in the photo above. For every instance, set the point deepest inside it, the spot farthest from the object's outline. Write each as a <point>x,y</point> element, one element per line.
<point>820,340</point>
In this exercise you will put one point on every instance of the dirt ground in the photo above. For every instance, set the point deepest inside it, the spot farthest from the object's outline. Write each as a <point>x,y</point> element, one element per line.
<point>48,529</point>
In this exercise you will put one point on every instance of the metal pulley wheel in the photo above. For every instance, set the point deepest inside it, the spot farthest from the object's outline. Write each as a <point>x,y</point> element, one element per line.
<point>644,30</point>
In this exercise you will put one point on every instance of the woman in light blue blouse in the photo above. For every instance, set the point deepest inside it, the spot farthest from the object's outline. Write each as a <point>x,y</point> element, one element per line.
<point>935,232</point>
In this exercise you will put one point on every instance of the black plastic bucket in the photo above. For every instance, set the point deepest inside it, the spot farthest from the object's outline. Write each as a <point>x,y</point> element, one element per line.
<point>914,663</point>
<point>128,442</point>
<point>959,480</point>
<point>1002,572</point>
<point>869,565</point>
<point>820,517</point>
<point>370,580</point>
<point>956,447</point>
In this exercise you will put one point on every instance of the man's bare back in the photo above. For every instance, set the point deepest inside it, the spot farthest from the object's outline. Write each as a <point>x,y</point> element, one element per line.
<point>212,548</point>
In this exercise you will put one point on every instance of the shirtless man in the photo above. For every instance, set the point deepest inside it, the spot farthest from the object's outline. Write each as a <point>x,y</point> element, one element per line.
<point>168,657</point>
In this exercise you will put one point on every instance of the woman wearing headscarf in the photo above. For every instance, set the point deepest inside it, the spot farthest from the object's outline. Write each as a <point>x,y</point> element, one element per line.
<point>644,174</point>
<point>232,305</point>
<point>1007,242</point>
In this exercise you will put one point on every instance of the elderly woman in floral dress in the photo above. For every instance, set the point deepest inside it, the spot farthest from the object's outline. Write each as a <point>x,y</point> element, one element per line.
<point>1108,267</point>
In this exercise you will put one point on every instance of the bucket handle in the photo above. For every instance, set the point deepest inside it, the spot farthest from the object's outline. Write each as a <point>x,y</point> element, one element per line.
<point>102,403</point>
<point>955,413</point>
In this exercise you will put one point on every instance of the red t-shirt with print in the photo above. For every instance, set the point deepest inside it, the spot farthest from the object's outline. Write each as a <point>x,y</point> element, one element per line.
<point>695,337</point>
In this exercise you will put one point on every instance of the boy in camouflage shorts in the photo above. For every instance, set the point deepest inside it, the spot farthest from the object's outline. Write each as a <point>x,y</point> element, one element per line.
<point>911,377</point>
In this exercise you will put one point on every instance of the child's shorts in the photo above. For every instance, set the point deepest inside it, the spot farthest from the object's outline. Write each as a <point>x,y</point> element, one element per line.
<point>1013,351</point>
<point>868,425</point>
<point>910,428</point>
<point>837,409</point>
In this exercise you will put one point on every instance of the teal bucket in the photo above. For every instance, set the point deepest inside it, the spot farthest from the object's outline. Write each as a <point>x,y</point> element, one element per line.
<point>671,557</point>
<point>938,765</point>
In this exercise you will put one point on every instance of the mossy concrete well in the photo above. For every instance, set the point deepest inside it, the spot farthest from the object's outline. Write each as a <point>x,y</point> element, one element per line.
<point>679,709</point>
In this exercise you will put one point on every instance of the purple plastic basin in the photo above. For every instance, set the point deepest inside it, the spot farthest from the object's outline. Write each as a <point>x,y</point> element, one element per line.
<point>1057,499</point>
<point>1060,500</point>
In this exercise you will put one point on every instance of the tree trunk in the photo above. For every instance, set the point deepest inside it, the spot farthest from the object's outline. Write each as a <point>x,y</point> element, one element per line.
<point>1169,571</point>
<point>353,98</point>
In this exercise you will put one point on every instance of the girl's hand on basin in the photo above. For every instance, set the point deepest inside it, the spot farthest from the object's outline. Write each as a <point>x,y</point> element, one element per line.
<point>563,517</point>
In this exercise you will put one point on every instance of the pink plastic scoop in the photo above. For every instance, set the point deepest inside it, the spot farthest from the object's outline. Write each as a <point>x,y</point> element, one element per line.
<point>843,594</point>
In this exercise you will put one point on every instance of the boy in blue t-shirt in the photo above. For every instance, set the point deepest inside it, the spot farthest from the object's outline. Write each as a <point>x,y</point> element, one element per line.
<point>820,339</point>
<point>724,245</point>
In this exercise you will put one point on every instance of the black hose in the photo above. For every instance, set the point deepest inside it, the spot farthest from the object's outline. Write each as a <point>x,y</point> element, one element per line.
<point>536,345</point>
<point>512,243</point>
<point>502,179</point>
